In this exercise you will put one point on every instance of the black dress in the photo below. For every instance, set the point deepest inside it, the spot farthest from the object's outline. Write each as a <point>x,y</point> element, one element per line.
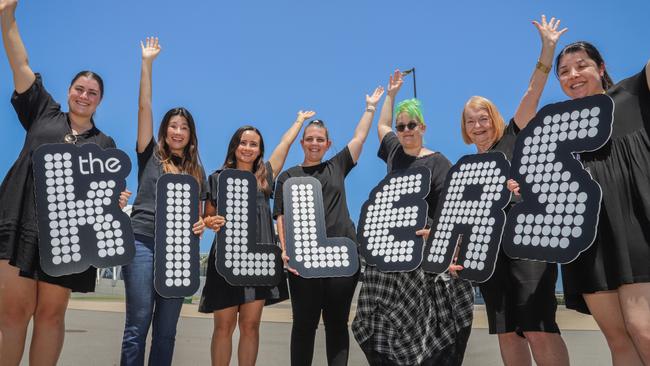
<point>44,123</point>
<point>219,294</point>
<point>621,252</point>
<point>520,295</point>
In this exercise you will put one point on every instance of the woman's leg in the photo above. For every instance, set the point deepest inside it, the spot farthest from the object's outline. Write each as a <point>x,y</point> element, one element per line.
<point>548,348</point>
<point>250,315</point>
<point>49,324</point>
<point>606,309</point>
<point>306,305</point>
<point>635,305</point>
<point>163,334</point>
<point>225,321</point>
<point>17,305</point>
<point>514,349</point>
<point>336,312</point>
<point>140,297</point>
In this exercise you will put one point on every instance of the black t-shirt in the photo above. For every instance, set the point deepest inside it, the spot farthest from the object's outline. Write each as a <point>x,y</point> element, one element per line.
<point>331,175</point>
<point>506,144</point>
<point>144,207</point>
<point>392,152</point>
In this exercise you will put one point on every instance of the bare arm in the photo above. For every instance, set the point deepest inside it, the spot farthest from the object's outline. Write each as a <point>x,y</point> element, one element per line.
<point>279,155</point>
<point>150,49</point>
<point>385,123</point>
<point>16,53</point>
<point>529,103</point>
<point>361,132</point>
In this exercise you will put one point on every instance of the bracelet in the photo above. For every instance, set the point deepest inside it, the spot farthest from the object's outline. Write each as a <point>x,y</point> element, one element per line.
<point>543,68</point>
<point>371,108</point>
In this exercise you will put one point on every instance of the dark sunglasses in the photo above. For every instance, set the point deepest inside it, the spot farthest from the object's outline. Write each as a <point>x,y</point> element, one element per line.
<point>411,126</point>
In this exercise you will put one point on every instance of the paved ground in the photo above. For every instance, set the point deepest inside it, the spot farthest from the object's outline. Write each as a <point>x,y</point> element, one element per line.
<point>94,331</point>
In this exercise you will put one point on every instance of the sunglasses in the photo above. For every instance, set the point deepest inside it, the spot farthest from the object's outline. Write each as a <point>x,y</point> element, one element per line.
<point>411,126</point>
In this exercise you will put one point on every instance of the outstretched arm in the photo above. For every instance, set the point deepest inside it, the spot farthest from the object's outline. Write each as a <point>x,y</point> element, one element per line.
<point>279,155</point>
<point>549,34</point>
<point>150,49</point>
<point>386,117</point>
<point>361,132</point>
<point>16,53</point>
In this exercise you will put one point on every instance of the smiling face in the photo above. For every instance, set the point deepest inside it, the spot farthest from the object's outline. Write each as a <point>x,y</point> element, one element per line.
<point>177,134</point>
<point>248,149</point>
<point>479,126</point>
<point>409,138</point>
<point>84,96</point>
<point>315,144</point>
<point>580,76</point>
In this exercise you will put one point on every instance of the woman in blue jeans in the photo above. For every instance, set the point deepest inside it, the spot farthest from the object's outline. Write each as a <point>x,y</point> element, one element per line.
<point>175,152</point>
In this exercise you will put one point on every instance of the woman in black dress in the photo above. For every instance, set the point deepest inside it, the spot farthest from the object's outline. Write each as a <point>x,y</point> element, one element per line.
<point>331,296</point>
<point>25,290</point>
<point>412,318</point>
<point>233,305</point>
<point>611,280</point>
<point>520,296</point>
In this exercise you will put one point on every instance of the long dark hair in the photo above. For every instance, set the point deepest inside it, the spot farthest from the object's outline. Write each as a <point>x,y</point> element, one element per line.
<point>593,54</point>
<point>258,165</point>
<point>191,162</point>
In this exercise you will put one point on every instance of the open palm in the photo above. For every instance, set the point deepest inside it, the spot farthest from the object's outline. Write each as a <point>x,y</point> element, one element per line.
<point>150,48</point>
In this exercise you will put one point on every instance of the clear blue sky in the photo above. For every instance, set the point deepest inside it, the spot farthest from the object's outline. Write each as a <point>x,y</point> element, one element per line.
<point>258,62</point>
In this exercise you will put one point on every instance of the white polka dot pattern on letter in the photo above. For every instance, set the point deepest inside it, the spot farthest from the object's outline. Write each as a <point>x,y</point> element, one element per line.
<point>558,216</point>
<point>395,210</point>
<point>240,260</point>
<point>176,254</point>
<point>471,209</point>
<point>311,252</point>
<point>77,204</point>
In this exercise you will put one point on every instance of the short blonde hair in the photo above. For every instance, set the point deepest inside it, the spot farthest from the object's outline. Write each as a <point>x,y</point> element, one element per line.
<point>483,103</point>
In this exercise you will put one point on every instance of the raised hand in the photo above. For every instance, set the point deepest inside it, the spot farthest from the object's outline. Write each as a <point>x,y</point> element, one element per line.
<point>150,48</point>
<point>304,115</point>
<point>8,4</point>
<point>395,83</point>
<point>372,100</point>
<point>548,30</point>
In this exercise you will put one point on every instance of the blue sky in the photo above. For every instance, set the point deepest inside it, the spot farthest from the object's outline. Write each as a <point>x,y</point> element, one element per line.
<point>258,62</point>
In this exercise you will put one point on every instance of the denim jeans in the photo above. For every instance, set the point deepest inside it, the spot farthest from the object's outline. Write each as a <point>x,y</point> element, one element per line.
<point>142,305</point>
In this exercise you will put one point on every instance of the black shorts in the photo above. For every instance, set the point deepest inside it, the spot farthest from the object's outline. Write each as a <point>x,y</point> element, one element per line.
<point>520,296</point>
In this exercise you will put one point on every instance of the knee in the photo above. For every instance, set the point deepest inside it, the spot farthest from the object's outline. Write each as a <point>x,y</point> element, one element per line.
<point>249,328</point>
<point>618,339</point>
<point>639,332</point>
<point>49,315</point>
<point>16,313</point>
<point>303,328</point>
<point>224,328</point>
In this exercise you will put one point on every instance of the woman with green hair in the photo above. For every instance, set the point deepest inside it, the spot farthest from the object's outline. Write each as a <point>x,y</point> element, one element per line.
<point>412,318</point>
